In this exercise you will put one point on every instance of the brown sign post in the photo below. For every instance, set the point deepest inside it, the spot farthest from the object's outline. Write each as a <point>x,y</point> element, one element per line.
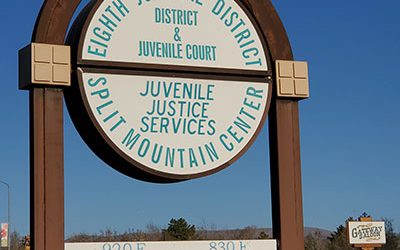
<point>46,137</point>
<point>46,122</point>
<point>284,132</point>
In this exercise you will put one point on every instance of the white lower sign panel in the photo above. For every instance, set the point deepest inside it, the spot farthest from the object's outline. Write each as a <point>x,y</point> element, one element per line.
<point>367,232</point>
<point>177,245</point>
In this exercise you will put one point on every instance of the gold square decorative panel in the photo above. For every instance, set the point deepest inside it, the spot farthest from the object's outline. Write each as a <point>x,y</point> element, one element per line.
<point>44,65</point>
<point>292,79</point>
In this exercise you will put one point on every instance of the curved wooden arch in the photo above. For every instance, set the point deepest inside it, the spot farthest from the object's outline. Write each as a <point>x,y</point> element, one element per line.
<point>47,153</point>
<point>53,21</point>
<point>272,27</point>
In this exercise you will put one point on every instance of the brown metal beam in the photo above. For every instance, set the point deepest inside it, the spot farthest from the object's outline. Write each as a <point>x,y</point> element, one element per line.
<point>47,169</point>
<point>287,208</point>
<point>46,140</point>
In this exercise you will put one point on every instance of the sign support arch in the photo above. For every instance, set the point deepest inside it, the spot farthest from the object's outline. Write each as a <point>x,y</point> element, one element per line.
<point>46,139</point>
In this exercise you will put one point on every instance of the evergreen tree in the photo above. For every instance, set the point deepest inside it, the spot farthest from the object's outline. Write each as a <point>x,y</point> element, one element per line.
<point>263,236</point>
<point>180,230</point>
<point>338,240</point>
<point>392,240</point>
<point>310,243</point>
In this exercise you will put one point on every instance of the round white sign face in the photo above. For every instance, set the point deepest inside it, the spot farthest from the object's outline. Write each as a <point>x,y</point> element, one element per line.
<point>168,90</point>
<point>197,33</point>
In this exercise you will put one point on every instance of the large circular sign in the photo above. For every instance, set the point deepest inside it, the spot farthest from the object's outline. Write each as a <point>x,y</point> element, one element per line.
<point>168,90</point>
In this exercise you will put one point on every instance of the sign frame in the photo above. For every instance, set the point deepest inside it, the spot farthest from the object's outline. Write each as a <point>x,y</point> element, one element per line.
<point>47,151</point>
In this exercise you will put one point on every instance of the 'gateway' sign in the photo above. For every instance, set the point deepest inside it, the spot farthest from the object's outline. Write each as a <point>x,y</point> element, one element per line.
<point>195,116</point>
<point>366,232</point>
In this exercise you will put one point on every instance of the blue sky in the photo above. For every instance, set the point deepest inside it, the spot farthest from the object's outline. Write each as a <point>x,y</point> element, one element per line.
<point>349,134</point>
